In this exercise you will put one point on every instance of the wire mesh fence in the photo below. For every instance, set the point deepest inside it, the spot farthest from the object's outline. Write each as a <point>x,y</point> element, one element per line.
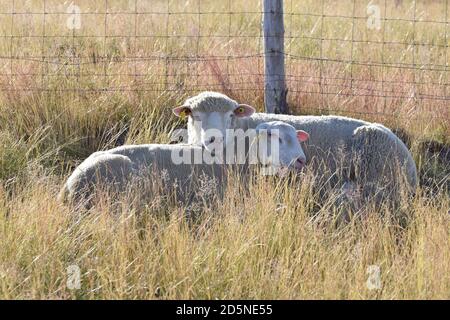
<point>382,57</point>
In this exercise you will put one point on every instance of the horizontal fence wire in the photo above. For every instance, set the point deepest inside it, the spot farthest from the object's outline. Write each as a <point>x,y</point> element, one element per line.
<point>386,58</point>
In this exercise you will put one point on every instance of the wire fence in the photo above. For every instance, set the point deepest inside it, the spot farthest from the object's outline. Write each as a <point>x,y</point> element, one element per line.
<point>380,57</point>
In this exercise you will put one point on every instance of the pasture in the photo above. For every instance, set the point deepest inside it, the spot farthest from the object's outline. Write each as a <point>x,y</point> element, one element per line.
<point>66,93</point>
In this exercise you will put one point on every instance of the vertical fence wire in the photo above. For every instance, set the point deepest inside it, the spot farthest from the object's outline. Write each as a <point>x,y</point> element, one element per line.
<point>11,44</point>
<point>414,90</point>
<point>446,48</point>
<point>168,51</point>
<point>383,69</point>
<point>353,41</point>
<point>43,63</point>
<point>135,42</point>
<point>322,95</point>
<point>105,39</point>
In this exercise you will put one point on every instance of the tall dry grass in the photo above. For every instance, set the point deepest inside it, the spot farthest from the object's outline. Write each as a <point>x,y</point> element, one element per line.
<point>261,241</point>
<point>260,244</point>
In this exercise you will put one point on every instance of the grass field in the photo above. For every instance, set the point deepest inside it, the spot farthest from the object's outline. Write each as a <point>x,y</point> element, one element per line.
<point>67,93</point>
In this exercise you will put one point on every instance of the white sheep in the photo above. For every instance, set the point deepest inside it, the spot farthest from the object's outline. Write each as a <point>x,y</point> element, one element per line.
<point>183,165</point>
<point>113,169</point>
<point>368,154</point>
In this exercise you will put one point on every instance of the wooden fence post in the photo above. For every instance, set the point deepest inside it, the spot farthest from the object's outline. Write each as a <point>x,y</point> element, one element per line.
<point>275,91</point>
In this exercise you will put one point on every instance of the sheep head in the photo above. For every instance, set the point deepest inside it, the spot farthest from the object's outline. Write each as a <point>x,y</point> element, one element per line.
<point>210,115</point>
<point>279,145</point>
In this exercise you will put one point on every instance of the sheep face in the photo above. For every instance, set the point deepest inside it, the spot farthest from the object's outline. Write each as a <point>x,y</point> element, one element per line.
<point>210,115</point>
<point>209,129</point>
<point>279,145</point>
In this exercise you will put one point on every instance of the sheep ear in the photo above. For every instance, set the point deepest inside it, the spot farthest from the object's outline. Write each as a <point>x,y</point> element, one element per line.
<point>302,136</point>
<point>182,111</point>
<point>244,110</point>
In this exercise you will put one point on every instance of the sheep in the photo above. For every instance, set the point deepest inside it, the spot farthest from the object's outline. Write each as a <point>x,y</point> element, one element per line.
<point>100,167</point>
<point>183,165</point>
<point>116,167</point>
<point>369,153</point>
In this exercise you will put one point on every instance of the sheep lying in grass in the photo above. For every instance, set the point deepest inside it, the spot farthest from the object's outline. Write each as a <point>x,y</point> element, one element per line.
<point>113,169</point>
<point>183,165</point>
<point>366,154</point>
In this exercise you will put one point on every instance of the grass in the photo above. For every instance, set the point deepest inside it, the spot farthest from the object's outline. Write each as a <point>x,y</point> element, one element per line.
<point>262,243</point>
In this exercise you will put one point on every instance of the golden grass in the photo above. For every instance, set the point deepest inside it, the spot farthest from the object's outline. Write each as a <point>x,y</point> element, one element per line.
<point>261,245</point>
<point>258,244</point>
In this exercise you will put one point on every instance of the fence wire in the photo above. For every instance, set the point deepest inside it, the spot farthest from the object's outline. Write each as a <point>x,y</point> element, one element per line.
<point>365,57</point>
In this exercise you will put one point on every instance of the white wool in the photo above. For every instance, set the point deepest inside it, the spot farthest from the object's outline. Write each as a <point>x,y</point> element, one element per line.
<point>379,151</point>
<point>209,101</point>
<point>114,168</point>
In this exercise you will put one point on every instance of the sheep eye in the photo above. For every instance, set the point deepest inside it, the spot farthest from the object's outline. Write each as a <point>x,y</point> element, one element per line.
<point>279,139</point>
